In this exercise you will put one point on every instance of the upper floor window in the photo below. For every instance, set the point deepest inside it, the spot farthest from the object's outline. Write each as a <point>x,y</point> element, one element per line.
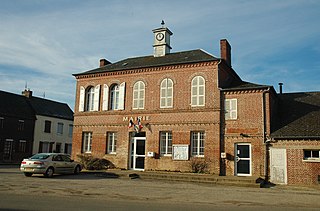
<point>89,98</point>
<point>47,126</point>
<point>86,142</point>
<point>230,106</point>
<point>114,97</point>
<point>1,122</point>
<point>70,130</point>
<point>197,144</point>
<point>165,143</point>
<point>198,91</point>
<point>60,128</point>
<point>138,95</point>
<point>112,142</point>
<point>166,93</point>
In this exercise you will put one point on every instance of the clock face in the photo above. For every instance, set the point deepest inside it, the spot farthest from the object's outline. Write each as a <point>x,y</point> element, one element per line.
<point>159,36</point>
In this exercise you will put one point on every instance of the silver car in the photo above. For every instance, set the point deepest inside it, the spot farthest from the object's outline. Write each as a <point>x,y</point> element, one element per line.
<point>49,164</point>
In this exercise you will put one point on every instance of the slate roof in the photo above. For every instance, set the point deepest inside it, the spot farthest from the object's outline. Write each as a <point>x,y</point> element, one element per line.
<point>50,108</point>
<point>242,85</point>
<point>14,105</point>
<point>24,107</point>
<point>299,115</point>
<point>184,57</point>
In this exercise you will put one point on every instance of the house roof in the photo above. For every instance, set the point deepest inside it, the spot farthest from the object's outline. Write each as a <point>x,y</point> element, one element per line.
<point>242,85</point>
<point>50,108</point>
<point>184,57</point>
<point>14,105</point>
<point>24,107</point>
<point>299,115</point>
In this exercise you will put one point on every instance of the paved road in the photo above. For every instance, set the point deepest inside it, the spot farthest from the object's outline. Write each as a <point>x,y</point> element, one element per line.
<point>96,192</point>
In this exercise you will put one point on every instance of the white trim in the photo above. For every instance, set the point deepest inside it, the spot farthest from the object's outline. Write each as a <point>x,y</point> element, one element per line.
<point>81,98</point>
<point>105,97</point>
<point>96,98</point>
<point>122,91</point>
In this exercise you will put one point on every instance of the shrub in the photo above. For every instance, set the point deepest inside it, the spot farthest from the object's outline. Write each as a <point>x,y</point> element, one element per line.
<point>199,165</point>
<point>91,163</point>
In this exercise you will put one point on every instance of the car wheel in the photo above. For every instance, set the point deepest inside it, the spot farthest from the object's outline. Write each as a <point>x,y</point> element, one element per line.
<point>27,174</point>
<point>77,170</point>
<point>49,172</point>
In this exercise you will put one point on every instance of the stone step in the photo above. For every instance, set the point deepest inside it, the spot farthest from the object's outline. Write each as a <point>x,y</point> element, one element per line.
<point>190,177</point>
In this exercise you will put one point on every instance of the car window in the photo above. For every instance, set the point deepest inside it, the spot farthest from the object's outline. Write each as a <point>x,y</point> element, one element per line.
<point>66,158</point>
<point>57,158</point>
<point>40,156</point>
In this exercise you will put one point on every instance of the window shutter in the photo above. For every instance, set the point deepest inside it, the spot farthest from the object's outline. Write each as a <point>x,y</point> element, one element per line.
<point>81,99</point>
<point>96,98</point>
<point>227,109</point>
<point>105,97</point>
<point>233,109</point>
<point>122,91</point>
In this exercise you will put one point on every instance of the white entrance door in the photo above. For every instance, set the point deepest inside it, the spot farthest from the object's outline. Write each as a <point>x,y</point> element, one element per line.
<point>243,159</point>
<point>278,166</point>
<point>138,153</point>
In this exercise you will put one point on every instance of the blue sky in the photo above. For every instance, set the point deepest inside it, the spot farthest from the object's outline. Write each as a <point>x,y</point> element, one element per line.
<point>42,43</point>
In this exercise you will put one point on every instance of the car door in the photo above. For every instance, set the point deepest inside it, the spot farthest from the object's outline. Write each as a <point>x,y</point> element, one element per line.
<point>68,164</point>
<point>58,164</point>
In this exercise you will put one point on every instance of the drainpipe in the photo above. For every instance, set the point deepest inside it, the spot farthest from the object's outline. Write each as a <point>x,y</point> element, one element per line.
<point>264,130</point>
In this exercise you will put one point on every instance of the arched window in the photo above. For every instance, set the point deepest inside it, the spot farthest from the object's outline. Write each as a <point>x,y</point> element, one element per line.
<point>166,93</point>
<point>138,95</point>
<point>114,97</point>
<point>90,99</point>
<point>198,91</point>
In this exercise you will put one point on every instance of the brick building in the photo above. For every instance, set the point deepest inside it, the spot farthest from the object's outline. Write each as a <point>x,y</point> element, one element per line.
<point>168,111</point>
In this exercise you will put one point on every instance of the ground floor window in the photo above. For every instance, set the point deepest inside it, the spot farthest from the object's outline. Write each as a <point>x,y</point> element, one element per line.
<point>45,146</point>
<point>22,146</point>
<point>67,148</point>
<point>311,154</point>
<point>197,144</point>
<point>86,142</point>
<point>166,143</point>
<point>111,142</point>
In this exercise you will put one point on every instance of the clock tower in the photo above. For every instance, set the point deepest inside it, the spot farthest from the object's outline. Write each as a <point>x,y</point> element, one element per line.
<point>161,45</point>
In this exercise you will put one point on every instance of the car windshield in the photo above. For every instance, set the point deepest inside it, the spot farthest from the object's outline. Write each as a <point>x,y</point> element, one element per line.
<point>40,156</point>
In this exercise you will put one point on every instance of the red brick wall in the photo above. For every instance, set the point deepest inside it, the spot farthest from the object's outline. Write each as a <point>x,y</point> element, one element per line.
<point>247,128</point>
<point>300,171</point>
<point>181,119</point>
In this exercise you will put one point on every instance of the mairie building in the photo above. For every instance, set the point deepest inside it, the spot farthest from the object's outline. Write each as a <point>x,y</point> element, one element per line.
<point>171,110</point>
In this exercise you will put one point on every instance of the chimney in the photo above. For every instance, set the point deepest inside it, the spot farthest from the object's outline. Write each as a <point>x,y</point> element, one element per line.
<point>280,88</point>
<point>225,51</point>
<point>104,62</point>
<point>27,93</point>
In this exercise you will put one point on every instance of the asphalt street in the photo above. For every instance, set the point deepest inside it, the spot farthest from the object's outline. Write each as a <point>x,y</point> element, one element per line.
<point>93,191</point>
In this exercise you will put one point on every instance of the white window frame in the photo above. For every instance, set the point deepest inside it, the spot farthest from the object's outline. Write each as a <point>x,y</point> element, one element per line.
<point>112,143</point>
<point>114,97</point>
<point>166,141</point>
<point>87,142</point>
<point>166,93</point>
<point>90,92</point>
<point>197,143</point>
<point>231,109</point>
<point>138,95</point>
<point>313,156</point>
<point>196,94</point>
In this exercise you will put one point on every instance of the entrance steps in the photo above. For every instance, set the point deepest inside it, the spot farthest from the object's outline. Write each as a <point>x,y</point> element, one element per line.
<point>188,177</point>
